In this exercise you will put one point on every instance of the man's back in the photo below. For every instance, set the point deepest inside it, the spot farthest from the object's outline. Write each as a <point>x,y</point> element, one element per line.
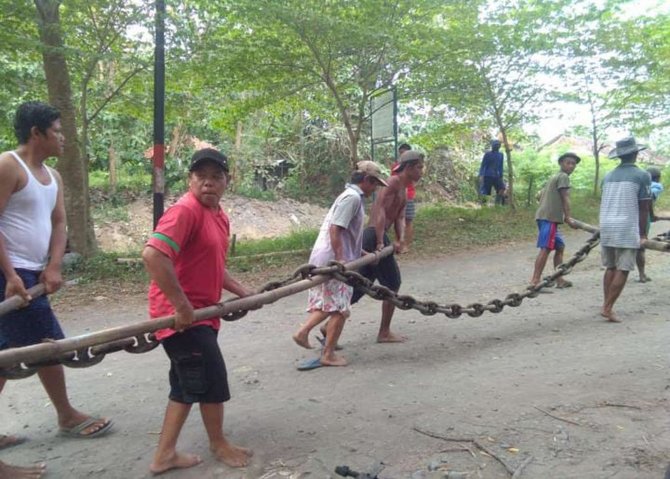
<point>492,164</point>
<point>622,190</point>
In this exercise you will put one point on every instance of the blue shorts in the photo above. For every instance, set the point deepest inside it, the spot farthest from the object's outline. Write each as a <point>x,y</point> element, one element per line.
<point>549,237</point>
<point>32,324</point>
<point>492,182</point>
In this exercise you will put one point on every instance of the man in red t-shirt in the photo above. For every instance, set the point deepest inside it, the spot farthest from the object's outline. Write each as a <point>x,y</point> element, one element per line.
<point>410,191</point>
<point>186,259</point>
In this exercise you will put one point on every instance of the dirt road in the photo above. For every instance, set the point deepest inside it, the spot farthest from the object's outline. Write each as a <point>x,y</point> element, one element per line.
<point>548,382</point>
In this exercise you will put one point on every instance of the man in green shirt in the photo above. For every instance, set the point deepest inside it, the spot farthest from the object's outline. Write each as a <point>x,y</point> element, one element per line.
<point>554,209</point>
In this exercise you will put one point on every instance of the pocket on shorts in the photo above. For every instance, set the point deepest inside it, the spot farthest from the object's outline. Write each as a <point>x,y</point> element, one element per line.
<point>192,374</point>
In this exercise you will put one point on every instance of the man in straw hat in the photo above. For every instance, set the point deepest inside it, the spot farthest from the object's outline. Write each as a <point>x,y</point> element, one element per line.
<point>624,209</point>
<point>340,239</point>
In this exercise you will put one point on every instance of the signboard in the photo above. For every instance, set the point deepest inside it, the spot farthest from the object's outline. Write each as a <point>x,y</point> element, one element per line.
<point>383,110</point>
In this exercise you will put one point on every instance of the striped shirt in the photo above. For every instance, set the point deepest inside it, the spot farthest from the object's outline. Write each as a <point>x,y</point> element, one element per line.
<point>623,189</point>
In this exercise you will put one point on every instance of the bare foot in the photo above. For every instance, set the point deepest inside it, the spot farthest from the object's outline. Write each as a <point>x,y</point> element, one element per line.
<point>232,455</point>
<point>10,441</point>
<point>177,461</point>
<point>391,338</point>
<point>16,472</point>
<point>610,316</point>
<point>333,360</point>
<point>302,339</point>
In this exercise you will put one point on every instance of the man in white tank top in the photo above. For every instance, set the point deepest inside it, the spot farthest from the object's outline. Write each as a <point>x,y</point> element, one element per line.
<point>32,244</point>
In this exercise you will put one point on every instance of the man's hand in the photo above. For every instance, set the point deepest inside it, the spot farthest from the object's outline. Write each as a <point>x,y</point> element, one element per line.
<point>481,181</point>
<point>399,247</point>
<point>570,222</point>
<point>15,287</point>
<point>184,317</point>
<point>52,279</point>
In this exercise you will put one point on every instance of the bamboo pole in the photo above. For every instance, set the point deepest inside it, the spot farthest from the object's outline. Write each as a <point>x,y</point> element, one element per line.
<point>54,349</point>
<point>647,244</point>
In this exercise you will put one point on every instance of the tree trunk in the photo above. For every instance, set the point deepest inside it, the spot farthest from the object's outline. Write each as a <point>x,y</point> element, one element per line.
<point>510,169</point>
<point>112,168</point>
<point>72,167</point>
<point>239,130</point>
<point>596,147</point>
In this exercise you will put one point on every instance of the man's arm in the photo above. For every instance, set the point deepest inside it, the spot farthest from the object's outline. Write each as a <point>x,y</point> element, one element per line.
<point>643,216</point>
<point>482,169</point>
<point>501,165</point>
<point>162,271</point>
<point>9,179</point>
<point>52,276</point>
<point>565,201</point>
<point>335,233</point>
<point>399,227</point>
<point>378,216</point>
<point>234,286</point>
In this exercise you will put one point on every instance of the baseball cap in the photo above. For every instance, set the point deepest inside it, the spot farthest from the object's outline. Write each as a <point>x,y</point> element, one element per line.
<point>406,157</point>
<point>208,154</point>
<point>370,168</point>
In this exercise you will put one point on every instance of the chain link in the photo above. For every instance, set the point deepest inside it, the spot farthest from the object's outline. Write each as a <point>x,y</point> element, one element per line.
<point>142,343</point>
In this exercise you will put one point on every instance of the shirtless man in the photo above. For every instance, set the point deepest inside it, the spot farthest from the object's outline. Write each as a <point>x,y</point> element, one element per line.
<point>389,210</point>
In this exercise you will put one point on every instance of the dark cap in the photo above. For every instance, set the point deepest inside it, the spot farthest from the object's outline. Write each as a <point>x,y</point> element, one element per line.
<point>208,154</point>
<point>569,155</point>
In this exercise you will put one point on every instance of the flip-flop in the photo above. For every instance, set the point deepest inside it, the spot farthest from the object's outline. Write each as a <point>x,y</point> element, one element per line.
<point>76,432</point>
<point>309,364</point>
<point>322,340</point>
<point>564,284</point>
<point>15,442</point>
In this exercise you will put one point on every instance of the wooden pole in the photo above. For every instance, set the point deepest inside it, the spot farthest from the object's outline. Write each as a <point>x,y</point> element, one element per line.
<point>55,349</point>
<point>15,302</point>
<point>646,244</point>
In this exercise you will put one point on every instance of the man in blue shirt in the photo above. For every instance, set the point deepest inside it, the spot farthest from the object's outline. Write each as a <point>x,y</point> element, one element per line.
<point>491,173</point>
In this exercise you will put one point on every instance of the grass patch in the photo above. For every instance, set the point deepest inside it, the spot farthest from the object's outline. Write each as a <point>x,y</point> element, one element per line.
<point>105,267</point>
<point>245,259</point>
<point>442,229</point>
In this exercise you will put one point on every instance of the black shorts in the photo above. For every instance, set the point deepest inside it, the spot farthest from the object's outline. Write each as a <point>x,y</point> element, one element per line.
<point>197,371</point>
<point>386,271</point>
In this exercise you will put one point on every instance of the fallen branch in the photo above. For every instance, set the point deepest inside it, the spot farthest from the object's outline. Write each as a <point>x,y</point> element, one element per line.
<point>485,449</point>
<point>557,417</point>
<point>519,470</point>
<point>612,404</point>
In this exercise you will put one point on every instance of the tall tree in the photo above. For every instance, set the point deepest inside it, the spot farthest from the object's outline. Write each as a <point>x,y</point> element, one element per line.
<point>72,168</point>
<point>333,53</point>
<point>497,77</point>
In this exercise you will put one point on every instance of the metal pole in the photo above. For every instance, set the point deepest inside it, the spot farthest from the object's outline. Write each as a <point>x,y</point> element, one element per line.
<point>55,349</point>
<point>159,113</point>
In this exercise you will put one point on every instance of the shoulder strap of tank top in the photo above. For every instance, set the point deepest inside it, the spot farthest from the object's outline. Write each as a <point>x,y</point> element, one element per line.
<point>22,163</point>
<point>30,173</point>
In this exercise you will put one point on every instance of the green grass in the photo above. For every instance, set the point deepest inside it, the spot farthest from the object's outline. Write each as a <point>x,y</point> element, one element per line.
<point>242,258</point>
<point>105,267</point>
<point>441,229</point>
